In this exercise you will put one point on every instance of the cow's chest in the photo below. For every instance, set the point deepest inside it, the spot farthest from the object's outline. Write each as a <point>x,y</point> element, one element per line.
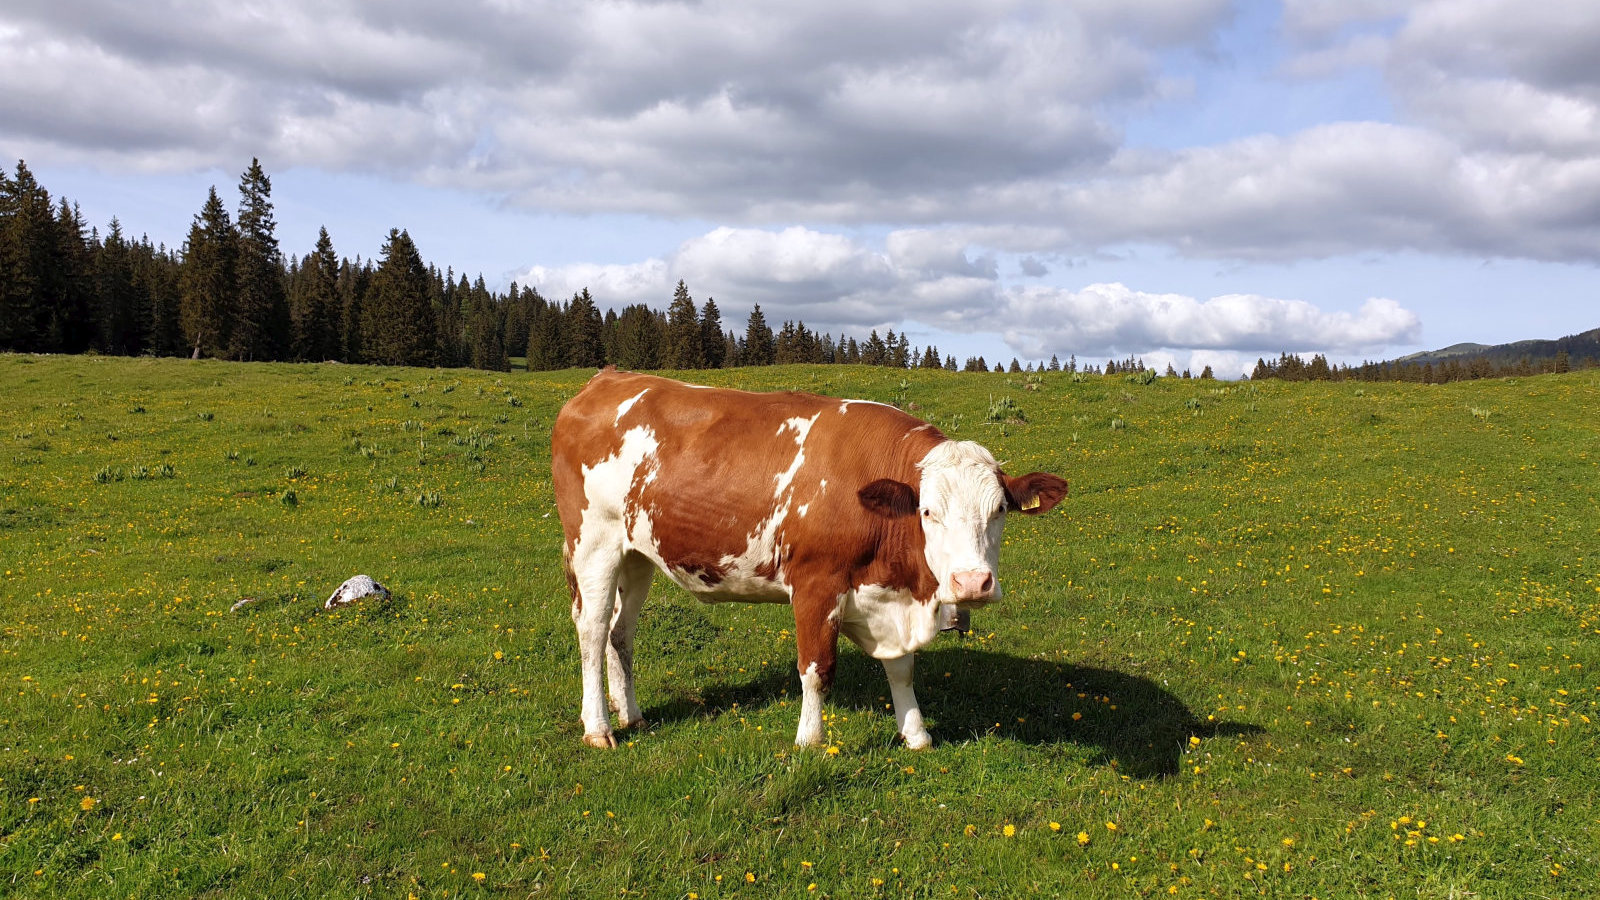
<point>888,622</point>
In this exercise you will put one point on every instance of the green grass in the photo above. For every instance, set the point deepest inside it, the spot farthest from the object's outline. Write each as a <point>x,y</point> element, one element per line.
<point>1275,629</point>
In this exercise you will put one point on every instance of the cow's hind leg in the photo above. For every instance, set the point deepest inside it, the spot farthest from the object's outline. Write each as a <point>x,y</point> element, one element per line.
<point>592,574</point>
<point>633,585</point>
<point>907,715</point>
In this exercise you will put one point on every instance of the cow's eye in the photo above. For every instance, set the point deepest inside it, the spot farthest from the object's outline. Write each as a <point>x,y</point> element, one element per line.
<point>927,514</point>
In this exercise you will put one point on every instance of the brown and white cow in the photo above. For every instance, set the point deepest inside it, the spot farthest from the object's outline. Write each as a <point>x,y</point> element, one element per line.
<point>864,519</point>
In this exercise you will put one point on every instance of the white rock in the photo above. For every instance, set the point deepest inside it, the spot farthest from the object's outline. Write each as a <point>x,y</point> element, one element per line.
<point>355,589</point>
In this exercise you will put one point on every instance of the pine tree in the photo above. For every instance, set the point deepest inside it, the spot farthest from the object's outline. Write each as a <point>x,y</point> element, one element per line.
<point>760,349</point>
<point>31,271</point>
<point>683,346</point>
<point>206,311</point>
<point>547,347</point>
<point>261,310</point>
<point>638,339</point>
<point>1055,364</point>
<point>121,307</point>
<point>158,274</point>
<point>69,309</point>
<point>585,348</point>
<point>314,307</point>
<point>875,353</point>
<point>398,327</point>
<point>712,346</point>
<point>485,331</point>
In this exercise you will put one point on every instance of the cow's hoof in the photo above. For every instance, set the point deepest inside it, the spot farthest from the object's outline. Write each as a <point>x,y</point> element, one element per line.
<point>602,741</point>
<point>638,724</point>
<point>919,741</point>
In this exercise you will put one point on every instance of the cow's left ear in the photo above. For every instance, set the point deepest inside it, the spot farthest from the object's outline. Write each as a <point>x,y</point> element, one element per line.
<point>889,498</point>
<point>1034,493</point>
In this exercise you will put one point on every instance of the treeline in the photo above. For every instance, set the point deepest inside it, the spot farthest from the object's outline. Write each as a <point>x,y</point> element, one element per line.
<point>1290,367</point>
<point>231,293</point>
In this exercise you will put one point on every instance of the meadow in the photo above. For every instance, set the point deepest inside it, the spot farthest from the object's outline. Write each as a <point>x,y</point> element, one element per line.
<point>1283,640</point>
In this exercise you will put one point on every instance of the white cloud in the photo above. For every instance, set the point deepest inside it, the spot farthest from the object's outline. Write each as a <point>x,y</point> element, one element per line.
<point>1116,319</point>
<point>959,123</point>
<point>834,283</point>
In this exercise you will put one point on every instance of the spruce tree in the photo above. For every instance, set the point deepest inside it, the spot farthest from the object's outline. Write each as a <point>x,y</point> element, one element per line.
<point>712,345</point>
<point>638,339</point>
<point>158,273</point>
<point>69,309</point>
<point>683,348</point>
<point>206,303</point>
<point>120,310</point>
<point>585,349</point>
<point>398,327</point>
<point>547,347</point>
<point>760,349</point>
<point>875,353</point>
<point>261,310</point>
<point>314,307</point>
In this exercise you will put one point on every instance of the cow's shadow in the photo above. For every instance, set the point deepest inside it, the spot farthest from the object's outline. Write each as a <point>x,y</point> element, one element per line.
<point>1131,722</point>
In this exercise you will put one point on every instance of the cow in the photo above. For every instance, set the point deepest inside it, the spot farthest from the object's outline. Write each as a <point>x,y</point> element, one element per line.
<point>867,521</point>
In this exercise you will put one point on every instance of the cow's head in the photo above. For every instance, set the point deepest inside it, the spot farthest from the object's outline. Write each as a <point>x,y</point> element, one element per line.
<point>962,502</point>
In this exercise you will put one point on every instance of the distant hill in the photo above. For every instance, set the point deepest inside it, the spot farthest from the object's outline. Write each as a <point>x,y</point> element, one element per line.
<point>1582,350</point>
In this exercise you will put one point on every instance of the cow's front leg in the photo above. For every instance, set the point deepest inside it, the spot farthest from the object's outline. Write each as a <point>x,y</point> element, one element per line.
<point>907,715</point>
<point>817,643</point>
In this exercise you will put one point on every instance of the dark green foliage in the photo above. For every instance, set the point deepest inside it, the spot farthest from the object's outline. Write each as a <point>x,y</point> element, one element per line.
<point>260,305</point>
<point>759,347</point>
<point>585,349</point>
<point>638,344</point>
<point>546,338</point>
<point>398,320</point>
<point>209,257</point>
<point>876,352</point>
<point>711,343</point>
<point>121,302</point>
<point>314,307</point>
<point>683,345</point>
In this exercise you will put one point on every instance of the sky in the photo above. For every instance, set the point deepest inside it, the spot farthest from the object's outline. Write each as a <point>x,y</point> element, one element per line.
<point>1201,182</point>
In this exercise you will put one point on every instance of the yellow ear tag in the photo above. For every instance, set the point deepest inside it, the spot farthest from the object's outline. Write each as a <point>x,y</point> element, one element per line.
<point>1032,502</point>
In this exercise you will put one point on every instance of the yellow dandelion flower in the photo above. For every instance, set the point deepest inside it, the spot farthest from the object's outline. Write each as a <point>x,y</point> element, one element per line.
<point>1083,838</point>
<point>1009,831</point>
<point>1055,826</point>
<point>478,876</point>
<point>86,804</point>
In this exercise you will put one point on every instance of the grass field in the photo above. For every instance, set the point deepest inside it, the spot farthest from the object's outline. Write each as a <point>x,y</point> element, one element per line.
<point>1287,640</point>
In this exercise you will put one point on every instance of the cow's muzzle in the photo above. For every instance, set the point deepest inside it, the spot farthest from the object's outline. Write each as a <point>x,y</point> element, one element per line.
<point>974,586</point>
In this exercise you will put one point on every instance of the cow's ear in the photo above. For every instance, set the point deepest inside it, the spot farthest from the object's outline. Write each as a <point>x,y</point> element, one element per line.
<point>889,498</point>
<point>1034,493</point>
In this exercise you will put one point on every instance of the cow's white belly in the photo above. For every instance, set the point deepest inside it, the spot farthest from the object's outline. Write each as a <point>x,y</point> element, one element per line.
<point>886,622</point>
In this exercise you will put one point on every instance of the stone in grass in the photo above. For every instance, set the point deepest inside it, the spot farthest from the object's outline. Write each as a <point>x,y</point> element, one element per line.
<point>357,588</point>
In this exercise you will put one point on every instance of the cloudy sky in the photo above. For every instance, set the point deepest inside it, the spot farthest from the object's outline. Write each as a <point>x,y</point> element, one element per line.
<point>1200,181</point>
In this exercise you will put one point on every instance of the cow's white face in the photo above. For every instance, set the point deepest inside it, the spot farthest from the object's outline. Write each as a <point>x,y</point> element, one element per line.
<point>961,504</point>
